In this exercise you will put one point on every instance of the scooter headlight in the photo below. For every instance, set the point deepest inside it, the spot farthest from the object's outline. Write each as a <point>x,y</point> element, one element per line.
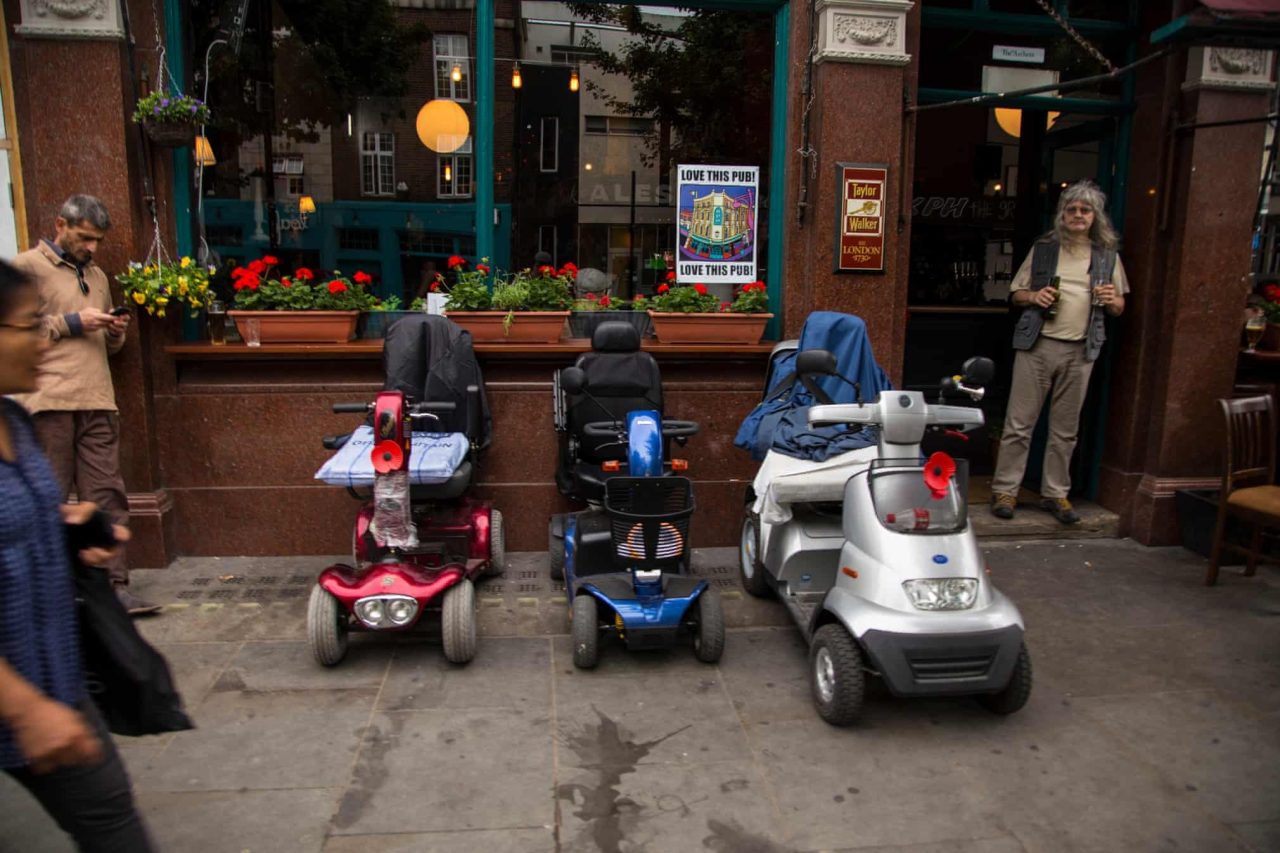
<point>402,610</point>
<point>385,611</point>
<point>372,612</point>
<point>942,593</point>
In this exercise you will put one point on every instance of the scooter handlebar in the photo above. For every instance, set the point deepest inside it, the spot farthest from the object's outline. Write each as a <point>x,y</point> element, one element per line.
<point>604,429</point>
<point>678,429</point>
<point>843,413</point>
<point>424,408</point>
<point>956,416</point>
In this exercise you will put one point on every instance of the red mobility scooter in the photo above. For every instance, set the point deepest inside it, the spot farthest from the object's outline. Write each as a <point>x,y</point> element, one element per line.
<point>420,541</point>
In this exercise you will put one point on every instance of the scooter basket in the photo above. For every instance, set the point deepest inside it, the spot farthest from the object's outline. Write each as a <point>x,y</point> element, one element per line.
<point>649,518</point>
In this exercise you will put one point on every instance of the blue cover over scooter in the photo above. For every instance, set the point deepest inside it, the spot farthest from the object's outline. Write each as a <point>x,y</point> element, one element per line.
<point>781,422</point>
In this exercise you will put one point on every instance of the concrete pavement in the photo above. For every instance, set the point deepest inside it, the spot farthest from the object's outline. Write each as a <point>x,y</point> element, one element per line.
<point>1154,725</point>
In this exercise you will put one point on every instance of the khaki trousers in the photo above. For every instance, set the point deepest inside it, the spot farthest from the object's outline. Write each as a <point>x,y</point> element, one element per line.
<point>1049,366</point>
<point>83,448</point>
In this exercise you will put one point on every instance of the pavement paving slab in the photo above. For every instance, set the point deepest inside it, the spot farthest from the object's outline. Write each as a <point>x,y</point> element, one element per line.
<point>1154,725</point>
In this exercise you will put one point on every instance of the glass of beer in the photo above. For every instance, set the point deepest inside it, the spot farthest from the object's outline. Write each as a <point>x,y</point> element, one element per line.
<point>216,318</point>
<point>1254,326</point>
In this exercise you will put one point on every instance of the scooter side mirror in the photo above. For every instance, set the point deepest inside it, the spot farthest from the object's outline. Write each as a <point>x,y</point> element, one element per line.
<point>573,380</point>
<point>818,361</point>
<point>978,371</point>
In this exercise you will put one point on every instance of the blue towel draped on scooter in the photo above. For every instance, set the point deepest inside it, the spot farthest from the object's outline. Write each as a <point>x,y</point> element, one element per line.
<point>781,422</point>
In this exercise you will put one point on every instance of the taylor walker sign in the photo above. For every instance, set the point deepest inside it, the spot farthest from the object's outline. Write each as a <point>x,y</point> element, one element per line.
<point>716,223</point>
<point>860,217</point>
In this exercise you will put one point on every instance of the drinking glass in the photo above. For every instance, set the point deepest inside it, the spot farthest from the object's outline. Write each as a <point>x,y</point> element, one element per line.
<point>252,332</point>
<point>1254,326</point>
<point>216,317</point>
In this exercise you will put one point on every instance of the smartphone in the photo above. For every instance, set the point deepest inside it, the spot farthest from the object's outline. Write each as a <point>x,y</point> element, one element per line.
<point>118,312</point>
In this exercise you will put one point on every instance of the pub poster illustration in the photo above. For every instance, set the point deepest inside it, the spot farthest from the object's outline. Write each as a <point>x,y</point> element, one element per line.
<point>716,223</point>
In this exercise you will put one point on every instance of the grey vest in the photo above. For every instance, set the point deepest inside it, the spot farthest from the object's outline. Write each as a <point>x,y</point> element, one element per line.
<point>1044,266</point>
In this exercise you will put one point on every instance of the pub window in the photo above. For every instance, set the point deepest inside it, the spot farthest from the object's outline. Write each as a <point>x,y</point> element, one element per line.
<point>453,173</point>
<point>378,163</point>
<point>451,52</point>
<point>550,144</point>
<point>360,239</point>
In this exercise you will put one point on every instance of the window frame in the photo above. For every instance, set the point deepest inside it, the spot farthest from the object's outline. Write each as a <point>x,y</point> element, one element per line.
<point>377,154</point>
<point>465,153</point>
<point>555,145</point>
<point>444,86</point>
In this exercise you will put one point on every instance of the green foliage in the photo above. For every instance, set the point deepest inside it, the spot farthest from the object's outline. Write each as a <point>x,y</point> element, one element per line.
<point>157,288</point>
<point>258,289</point>
<point>751,299</point>
<point>470,288</point>
<point>592,302</point>
<point>545,290</point>
<point>684,299</point>
<point>176,109</point>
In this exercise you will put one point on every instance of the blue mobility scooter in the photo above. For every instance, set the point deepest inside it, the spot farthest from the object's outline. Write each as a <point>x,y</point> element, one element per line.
<point>625,559</point>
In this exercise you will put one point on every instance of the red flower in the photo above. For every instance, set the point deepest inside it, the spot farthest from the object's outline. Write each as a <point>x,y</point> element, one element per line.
<point>724,306</point>
<point>361,277</point>
<point>701,288</point>
<point>482,268</point>
<point>1271,292</point>
<point>240,272</point>
<point>546,269</point>
<point>569,266</point>
<point>759,285</point>
<point>270,260</point>
<point>592,297</point>
<point>336,287</point>
<point>303,274</point>
<point>671,275</point>
<point>640,297</point>
<point>456,261</point>
<point>257,267</point>
<point>284,282</point>
<point>663,288</point>
<point>435,285</point>
<point>604,301</point>
<point>248,281</point>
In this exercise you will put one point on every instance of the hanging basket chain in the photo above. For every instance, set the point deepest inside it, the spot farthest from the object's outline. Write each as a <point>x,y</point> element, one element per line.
<point>1071,31</point>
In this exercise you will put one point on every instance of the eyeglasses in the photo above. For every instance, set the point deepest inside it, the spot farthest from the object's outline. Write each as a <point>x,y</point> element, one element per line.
<point>1077,208</point>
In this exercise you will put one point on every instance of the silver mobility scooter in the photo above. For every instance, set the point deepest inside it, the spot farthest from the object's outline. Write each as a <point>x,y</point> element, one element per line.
<point>871,551</point>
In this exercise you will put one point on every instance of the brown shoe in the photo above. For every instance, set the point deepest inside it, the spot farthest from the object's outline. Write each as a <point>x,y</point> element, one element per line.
<point>136,606</point>
<point>1002,506</point>
<point>1060,508</point>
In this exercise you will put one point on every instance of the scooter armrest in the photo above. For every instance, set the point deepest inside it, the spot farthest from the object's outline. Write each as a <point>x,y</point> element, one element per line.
<point>334,442</point>
<point>843,413</point>
<point>956,416</point>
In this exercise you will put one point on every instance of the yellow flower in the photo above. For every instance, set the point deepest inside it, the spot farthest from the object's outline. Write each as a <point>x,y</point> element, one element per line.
<point>186,262</point>
<point>147,270</point>
<point>162,301</point>
<point>139,297</point>
<point>160,313</point>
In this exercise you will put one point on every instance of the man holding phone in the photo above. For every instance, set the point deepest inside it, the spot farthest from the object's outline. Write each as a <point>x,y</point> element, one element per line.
<point>74,404</point>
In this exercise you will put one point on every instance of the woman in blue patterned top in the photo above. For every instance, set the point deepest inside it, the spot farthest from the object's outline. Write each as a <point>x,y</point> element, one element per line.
<point>52,739</point>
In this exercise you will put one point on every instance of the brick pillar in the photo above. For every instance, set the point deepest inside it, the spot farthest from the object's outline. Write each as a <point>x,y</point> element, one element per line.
<point>77,137</point>
<point>861,75</point>
<point>1190,218</point>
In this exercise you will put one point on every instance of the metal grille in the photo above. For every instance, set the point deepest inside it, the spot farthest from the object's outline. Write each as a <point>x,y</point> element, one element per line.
<point>951,669</point>
<point>649,517</point>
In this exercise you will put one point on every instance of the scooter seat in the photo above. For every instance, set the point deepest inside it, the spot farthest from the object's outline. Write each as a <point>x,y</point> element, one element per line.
<point>449,489</point>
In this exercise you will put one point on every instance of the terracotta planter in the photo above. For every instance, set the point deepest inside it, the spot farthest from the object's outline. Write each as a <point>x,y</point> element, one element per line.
<point>709,328</point>
<point>527,327</point>
<point>301,327</point>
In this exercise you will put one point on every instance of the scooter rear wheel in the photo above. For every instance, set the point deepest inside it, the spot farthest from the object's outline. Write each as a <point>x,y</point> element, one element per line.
<point>586,631</point>
<point>836,675</point>
<point>708,637</point>
<point>459,622</point>
<point>326,627</point>
<point>555,549</point>
<point>1018,691</point>
<point>750,569</point>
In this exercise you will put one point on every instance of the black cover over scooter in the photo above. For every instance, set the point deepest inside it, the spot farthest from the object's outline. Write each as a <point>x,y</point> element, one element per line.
<point>429,358</point>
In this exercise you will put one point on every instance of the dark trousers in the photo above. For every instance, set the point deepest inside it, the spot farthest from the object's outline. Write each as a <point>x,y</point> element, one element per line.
<point>92,803</point>
<point>84,449</point>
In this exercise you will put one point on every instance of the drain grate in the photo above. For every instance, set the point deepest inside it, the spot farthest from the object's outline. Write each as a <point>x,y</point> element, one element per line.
<point>223,594</point>
<point>265,580</point>
<point>295,580</point>
<point>189,593</point>
<point>529,587</point>
<point>202,581</point>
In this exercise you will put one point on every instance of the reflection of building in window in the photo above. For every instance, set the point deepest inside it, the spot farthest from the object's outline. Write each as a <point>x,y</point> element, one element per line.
<point>451,52</point>
<point>618,125</point>
<point>287,170</point>
<point>377,163</point>
<point>547,241</point>
<point>454,173</point>
<point>566,54</point>
<point>720,226</point>
<point>549,153</point>
<point>361,239</point>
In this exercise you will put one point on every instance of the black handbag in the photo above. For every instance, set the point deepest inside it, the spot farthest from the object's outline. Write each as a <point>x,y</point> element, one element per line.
<point>126,677</point>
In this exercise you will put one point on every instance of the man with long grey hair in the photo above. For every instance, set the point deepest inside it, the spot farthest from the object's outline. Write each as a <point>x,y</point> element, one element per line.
<point>1070,280</point>
<point>74,404</point>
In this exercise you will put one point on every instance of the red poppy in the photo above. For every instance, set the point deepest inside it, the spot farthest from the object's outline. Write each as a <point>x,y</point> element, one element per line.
<point>257,267</point>
<point>663,288</point>
<point>336,287</point>
<point>361,277</point>
<point>270,260</point>
<point>456,261</point>
<point>671,275</point>
<point>483,268</point>
<point>303,274</point>
<point>701,288</point>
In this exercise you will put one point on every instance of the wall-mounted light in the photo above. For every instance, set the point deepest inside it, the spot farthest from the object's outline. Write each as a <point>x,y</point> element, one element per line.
<point>573,80</point>
<point>456,74</point>
<point>516,82</point>
<point>204,152</point>
<point>588,167</point>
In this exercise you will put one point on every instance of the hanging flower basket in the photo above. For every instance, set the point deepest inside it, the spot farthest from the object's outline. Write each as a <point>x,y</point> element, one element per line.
<point>170,134</point>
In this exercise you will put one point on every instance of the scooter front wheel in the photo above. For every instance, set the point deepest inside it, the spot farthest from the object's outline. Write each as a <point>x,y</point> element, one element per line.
<point>326,627</point>
<point>708,636</point>
<point>586,631</point>
<point>1017,692</point>
<point>750,568</point>
<point>458,621</point>
<point>836,675</point>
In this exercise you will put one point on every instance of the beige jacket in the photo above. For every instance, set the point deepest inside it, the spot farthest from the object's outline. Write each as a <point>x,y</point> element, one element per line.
<point>74,374</point>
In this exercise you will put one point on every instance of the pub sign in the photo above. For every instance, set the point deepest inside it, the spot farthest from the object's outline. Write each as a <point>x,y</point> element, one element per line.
<point>860,216</point>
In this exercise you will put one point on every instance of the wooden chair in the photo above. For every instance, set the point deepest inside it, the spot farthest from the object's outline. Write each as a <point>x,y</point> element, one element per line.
<point>1247,481</point>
